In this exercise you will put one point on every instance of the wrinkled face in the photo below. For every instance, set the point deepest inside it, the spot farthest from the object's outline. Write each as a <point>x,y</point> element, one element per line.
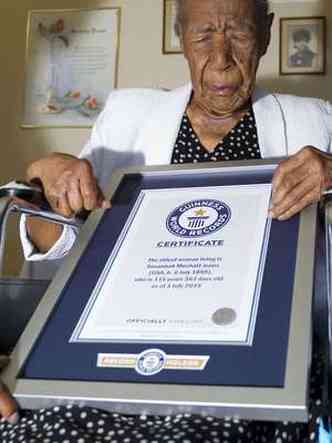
<point>223,46</point>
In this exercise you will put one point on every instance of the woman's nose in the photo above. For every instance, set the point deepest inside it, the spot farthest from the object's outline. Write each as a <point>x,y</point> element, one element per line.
<point>221,54</point>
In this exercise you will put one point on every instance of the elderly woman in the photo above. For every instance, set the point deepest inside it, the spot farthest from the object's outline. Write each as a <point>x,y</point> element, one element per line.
<point>220,116</point>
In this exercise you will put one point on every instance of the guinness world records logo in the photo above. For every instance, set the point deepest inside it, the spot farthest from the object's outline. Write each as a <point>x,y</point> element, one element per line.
<point>150,362</point>
<point>197,218</point>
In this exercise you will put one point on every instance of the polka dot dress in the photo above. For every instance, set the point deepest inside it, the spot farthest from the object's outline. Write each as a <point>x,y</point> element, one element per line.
<point>74,424</point>
<point>240,144</point>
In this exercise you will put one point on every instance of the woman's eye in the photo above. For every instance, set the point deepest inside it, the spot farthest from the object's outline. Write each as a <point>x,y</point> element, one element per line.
<point>203,38</point>
<point>240,34</point>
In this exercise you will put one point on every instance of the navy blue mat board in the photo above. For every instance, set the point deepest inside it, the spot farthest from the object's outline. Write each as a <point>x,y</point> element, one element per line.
<point>262,364</point>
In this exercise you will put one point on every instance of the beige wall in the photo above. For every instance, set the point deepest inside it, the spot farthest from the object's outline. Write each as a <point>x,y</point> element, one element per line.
<point>141,64</point>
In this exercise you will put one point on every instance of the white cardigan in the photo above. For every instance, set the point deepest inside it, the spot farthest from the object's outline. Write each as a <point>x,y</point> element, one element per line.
<point>140,126</point>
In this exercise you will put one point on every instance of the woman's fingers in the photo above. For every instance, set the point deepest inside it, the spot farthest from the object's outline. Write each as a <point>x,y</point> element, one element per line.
<point>76,189</point>
<point>89,191</point>
<point>300,181</point>
<point>296,207</point>
<point>74,196</point>
<point>69,184</point>
<point>297,199</point>
<point>8,406</point>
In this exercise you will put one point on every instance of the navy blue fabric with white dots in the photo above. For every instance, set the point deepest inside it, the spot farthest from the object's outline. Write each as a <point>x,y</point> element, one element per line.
<point>76,424</point>
<point>241,143</point>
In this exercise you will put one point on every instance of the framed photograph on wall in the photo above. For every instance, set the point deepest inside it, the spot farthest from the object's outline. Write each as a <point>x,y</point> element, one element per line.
<point>71,65</point>
<point>302,45</point>
<point>171,42</point>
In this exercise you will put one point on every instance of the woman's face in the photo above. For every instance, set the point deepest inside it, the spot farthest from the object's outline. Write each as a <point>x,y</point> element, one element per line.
<point>223,46</point>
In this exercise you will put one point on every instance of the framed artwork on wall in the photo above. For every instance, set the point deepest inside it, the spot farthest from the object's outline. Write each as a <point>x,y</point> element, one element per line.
<point>171,42</point>
<point>302,45</point>
<point>71,65</point>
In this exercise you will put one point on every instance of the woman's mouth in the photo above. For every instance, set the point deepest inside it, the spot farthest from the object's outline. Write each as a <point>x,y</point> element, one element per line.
<point>223,90</point>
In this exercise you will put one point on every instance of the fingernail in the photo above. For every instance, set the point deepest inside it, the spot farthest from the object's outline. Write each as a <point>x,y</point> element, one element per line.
<point>13,419</point>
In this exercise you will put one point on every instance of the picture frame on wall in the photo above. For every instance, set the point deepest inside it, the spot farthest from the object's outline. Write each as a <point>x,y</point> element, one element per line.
<point>71,65</point>
<point>171,42</point>
<point>302,45</point>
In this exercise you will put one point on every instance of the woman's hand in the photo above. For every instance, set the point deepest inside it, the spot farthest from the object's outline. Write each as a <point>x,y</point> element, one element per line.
<point>299,181</point>
<point>8,406</point>
<point>69,184</point>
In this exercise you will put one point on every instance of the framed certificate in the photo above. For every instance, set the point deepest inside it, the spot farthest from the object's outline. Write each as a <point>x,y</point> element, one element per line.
<point>185,296</point>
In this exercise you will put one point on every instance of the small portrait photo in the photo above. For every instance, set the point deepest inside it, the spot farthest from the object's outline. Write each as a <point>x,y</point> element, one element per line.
<point>302,45</point>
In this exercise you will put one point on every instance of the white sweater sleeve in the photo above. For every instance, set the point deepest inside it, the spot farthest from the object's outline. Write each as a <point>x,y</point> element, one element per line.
<point>94,151</point>
<point>58,250</point>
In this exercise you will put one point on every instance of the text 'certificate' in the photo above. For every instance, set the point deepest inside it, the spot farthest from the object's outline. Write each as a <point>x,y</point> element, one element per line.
<point>187,267</point>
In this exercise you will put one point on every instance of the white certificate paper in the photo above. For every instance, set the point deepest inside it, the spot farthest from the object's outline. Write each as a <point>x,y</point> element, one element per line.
<point>187,267</point>
<point>71,65</point>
